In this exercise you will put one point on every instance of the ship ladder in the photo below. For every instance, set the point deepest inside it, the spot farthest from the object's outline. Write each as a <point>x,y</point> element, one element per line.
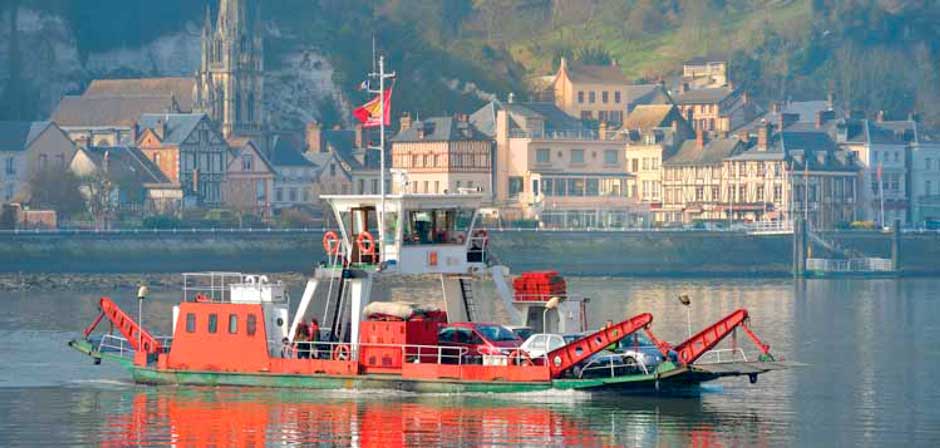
<point>469,303</point>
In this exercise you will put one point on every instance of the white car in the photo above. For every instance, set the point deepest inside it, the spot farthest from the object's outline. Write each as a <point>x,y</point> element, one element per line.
<point>540,344</point>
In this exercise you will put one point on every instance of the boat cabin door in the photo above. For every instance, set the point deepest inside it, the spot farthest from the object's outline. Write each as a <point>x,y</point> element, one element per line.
<point>363,235</point>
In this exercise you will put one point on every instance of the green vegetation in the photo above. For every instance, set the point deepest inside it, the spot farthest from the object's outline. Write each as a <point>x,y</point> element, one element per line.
<point>452,55</point>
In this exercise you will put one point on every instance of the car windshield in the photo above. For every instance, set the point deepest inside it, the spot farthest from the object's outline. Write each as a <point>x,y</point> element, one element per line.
<point>641,341</point>
<point>497,333</point>
<point>523,333</point>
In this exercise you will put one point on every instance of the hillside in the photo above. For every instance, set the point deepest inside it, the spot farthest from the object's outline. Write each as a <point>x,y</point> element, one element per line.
<point>454,55</point>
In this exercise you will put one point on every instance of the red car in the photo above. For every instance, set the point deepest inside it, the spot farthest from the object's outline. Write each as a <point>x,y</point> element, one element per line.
<point>478,339</point>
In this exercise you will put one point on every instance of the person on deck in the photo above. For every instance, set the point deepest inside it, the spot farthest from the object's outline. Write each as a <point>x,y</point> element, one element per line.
<point>287,351</point>
<point>300,342</point>
<point>313,335</point>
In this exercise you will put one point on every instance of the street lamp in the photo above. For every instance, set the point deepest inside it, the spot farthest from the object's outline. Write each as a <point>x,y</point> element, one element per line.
<point>687,302</point>
<point>142,292</point>
<point>550,305</point>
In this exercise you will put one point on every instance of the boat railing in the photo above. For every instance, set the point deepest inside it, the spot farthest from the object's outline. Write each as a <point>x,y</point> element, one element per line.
<point>217,287</point>
<point>606,366</point>
<point>120,346</point>
<point>544,298</point>
<point>722,355</point>
<point>410,353</point>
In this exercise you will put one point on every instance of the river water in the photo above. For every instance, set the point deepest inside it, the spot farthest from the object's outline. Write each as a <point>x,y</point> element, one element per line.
<point>870,379</point>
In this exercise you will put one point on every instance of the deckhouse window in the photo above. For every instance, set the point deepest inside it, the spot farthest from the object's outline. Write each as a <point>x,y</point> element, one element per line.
<point>190,323</point>
<point>232,324</point>
<point>213,323</point>
<point>251,325</point>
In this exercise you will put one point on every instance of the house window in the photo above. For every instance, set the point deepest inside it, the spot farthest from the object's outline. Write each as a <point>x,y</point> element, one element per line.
<point>375,186</point>
<point>515,186</point>
<point>605,97</point>
<point>699,193</point>
<point>636,165</point>
<point>593,187</point>
<point>927,188</point>
<point>247,162</point>
<point>927,163</point>
<point>602,116</point>
<point>742,193</point>
<point>581,97</point>
<point>577,156</point>
<point>576,187</point>
<point>561,187</point>
<point>778,193</point>
<point>279,194</point>
<point>232,324</point>
<point>547,186</point>
<point>292,194</point>
<point>260,194</point>
<point>535,187</point>
<point>611,157</point>
<point>543,155</point>
<point>587,115</point>
<point>362,186</point>
<point>437,186</point>
<point>251,325</point>
<point>43,161</point>
<point>213,323</point>
<point>760,193</point>
<point>592,97</point>
<point>190,323</point>
<point>617,97</point>
<point>9,166</point>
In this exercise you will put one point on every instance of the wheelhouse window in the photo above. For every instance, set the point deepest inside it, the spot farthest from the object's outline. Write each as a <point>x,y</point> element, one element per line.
<point>190,323</point>
<point>441,226</point>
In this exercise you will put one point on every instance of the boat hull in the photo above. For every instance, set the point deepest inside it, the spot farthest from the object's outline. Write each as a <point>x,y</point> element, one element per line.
<point>669,379</point>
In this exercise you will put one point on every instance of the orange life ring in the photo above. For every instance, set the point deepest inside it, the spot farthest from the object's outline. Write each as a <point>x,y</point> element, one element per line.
<point>520,358</point>
<point>202,298</point>
<point>366,243</point>
<point>341,352</point>
<point>331,243</point>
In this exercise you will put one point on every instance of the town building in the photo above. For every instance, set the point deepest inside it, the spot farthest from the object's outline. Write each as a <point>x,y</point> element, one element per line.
<point>296,175</point>
<point>189,151</point>
<point>249,179</point>
<point>230,81</point>
<point>348,159</point>
<point>26,149</point>
<point>882,149</point>
<point>797,172</point>
<point>106,118</point>
<point>138,185</point>
<point>716,109</point>
<point>652,133</point>
<point>442,154</point>
<point>693,178</point>
<point>601,93</point>
<point>925,180</point>
<point>705,72</point>
<point>550,168</point>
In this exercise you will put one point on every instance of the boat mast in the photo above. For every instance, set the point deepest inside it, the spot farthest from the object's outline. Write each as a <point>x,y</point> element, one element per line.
<point>382,76</point>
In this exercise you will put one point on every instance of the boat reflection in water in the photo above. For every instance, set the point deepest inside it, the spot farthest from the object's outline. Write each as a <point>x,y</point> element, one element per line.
<point>247,417</point>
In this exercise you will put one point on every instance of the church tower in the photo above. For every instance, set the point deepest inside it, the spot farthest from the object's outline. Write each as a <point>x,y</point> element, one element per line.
<point>230,82</point>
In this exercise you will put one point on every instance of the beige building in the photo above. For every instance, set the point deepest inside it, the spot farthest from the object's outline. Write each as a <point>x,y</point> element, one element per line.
<point>249,178</point>
<point>705,72</point>
<point>601,92</point>
<point>440,155</point>
<point>27,148</point>
<point>693,178</point>
<point>549,168</point>
<point>652,134</point>
<point>346,159</point>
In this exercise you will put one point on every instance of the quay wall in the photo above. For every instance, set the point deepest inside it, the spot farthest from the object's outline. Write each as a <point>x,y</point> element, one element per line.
<point>573,253</point>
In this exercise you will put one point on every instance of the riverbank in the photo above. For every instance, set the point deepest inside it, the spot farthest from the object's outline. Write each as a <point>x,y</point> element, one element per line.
<point>596,253</point>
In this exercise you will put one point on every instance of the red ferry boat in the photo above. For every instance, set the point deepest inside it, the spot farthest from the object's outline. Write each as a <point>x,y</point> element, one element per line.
<point>235,329</point>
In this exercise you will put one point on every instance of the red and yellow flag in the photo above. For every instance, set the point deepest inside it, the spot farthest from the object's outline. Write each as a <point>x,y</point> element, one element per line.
<point>370,114</point>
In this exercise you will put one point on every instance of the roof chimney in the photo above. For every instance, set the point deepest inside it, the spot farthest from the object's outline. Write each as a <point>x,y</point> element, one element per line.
<point>881,116</point>
<point>160,129</point>
<point>360,141</point>
<point>314,137</point>
<point>700,138</point>
<point>404,122</point>
<point>763,136</point>
<point>830,98</point>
